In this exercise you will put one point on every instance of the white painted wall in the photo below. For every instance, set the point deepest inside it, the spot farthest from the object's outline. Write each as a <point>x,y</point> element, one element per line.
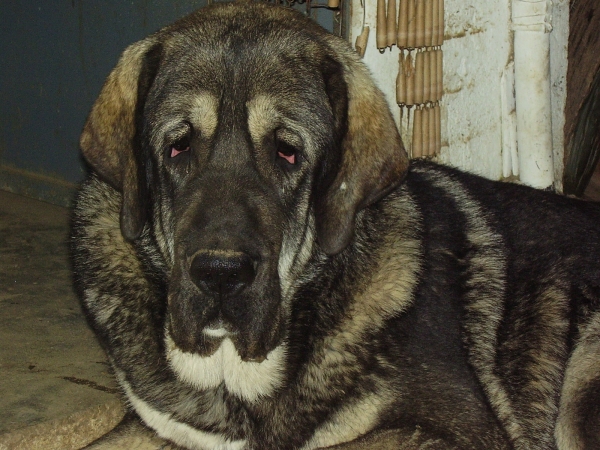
<point>478,49</point>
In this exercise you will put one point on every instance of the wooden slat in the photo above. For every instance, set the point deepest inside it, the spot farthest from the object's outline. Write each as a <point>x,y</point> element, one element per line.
<point>581,151</point>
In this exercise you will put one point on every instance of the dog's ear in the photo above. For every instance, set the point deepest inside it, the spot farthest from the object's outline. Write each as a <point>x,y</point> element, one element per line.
<point>110,139</point>
<point>373,159</point>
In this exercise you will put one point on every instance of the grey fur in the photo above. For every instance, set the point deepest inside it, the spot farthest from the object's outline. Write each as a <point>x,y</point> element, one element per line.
<point>382,305</point>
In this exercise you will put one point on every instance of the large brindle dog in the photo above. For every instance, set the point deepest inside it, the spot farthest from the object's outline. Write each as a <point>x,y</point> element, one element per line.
<point>266,270</point>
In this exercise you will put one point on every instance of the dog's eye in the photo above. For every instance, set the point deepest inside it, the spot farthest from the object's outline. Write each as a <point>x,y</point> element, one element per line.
<point>287,152</point>
<point>180,146</point>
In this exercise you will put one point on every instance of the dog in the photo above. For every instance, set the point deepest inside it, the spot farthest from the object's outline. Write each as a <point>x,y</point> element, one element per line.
<point>265,268</point>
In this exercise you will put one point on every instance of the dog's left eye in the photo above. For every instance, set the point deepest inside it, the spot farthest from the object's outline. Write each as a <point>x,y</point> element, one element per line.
<point>180,146</point>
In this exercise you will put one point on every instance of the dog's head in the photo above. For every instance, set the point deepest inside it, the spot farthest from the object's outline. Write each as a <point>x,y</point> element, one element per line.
<point>243,138</point>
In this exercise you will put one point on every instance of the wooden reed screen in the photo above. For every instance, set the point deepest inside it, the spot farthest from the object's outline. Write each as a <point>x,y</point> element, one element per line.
<point>417,28</point>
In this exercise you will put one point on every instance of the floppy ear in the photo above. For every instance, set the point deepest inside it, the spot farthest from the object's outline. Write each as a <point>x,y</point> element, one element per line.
<point>373,158</point>
<point>110,141</point>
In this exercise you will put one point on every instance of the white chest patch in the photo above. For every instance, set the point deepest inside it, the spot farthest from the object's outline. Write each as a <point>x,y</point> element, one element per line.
<point>247,380</point>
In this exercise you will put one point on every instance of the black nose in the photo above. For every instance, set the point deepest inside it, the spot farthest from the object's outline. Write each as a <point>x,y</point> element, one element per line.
<point>222,274</point>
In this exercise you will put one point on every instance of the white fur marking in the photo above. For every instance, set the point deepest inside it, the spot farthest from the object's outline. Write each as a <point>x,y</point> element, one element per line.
<point>215,332</point>
<point>180,433</point>
<point>245,379</point>
<point>293,259</point>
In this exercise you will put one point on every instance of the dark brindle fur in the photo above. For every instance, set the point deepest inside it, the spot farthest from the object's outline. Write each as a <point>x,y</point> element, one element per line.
<point>266,271</point>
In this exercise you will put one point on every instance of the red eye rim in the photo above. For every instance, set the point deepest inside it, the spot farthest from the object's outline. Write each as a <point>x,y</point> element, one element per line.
<point>287,152</point>
<point>180,146</point>
<point>175,152</point>
<point>290,158</point>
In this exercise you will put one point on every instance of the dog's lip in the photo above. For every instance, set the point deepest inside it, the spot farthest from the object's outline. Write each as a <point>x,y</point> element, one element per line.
<point>217,329</point>
<point>216,332</point>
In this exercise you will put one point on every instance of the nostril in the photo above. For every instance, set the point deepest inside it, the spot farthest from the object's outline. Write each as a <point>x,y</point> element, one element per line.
<point>222,274</point>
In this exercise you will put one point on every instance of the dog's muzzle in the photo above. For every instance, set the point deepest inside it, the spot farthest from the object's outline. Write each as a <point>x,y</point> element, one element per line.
<point>225,294</point>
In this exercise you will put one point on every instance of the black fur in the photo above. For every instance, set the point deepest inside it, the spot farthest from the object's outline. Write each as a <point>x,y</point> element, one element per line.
<point>391,306</point>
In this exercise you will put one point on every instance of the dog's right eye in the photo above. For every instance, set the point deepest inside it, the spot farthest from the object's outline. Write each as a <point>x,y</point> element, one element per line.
<point>180,146</point>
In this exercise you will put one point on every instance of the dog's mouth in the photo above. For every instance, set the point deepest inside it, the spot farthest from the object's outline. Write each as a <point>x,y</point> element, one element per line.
<point>207,340</point>
<point>251,317</point>
<point>236,341</point>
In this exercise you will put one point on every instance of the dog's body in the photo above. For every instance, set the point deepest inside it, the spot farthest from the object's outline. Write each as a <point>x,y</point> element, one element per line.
<point>266,271</point>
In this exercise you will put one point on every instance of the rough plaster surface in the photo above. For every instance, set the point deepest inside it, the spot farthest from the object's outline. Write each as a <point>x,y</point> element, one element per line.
<point>559,40</point>
<point>477,48</point>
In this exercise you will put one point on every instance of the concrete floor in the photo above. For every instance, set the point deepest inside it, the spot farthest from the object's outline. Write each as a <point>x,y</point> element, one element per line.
<point>55,387</point>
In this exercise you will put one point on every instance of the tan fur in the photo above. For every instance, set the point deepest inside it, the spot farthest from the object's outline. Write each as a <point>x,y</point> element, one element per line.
<point>351,422</point>
<point>203,115</point>
<point>374,161</point>
<point>381,295</point>
<point>582,372</point>
<point>262,115</point>
<point>109,130</point>
<point>398,439</point>
<point>388,292</point>
<point>485,311</point>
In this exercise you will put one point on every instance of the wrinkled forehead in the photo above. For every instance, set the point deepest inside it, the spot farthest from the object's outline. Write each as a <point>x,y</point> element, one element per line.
<point>243,62</point>
<point>260,81</point>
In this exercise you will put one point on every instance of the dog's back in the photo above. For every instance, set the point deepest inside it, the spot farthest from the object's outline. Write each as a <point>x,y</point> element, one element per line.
<point>528,264</point>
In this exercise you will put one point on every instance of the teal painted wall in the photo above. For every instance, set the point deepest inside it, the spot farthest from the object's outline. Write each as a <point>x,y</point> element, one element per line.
<point>55,56</point>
